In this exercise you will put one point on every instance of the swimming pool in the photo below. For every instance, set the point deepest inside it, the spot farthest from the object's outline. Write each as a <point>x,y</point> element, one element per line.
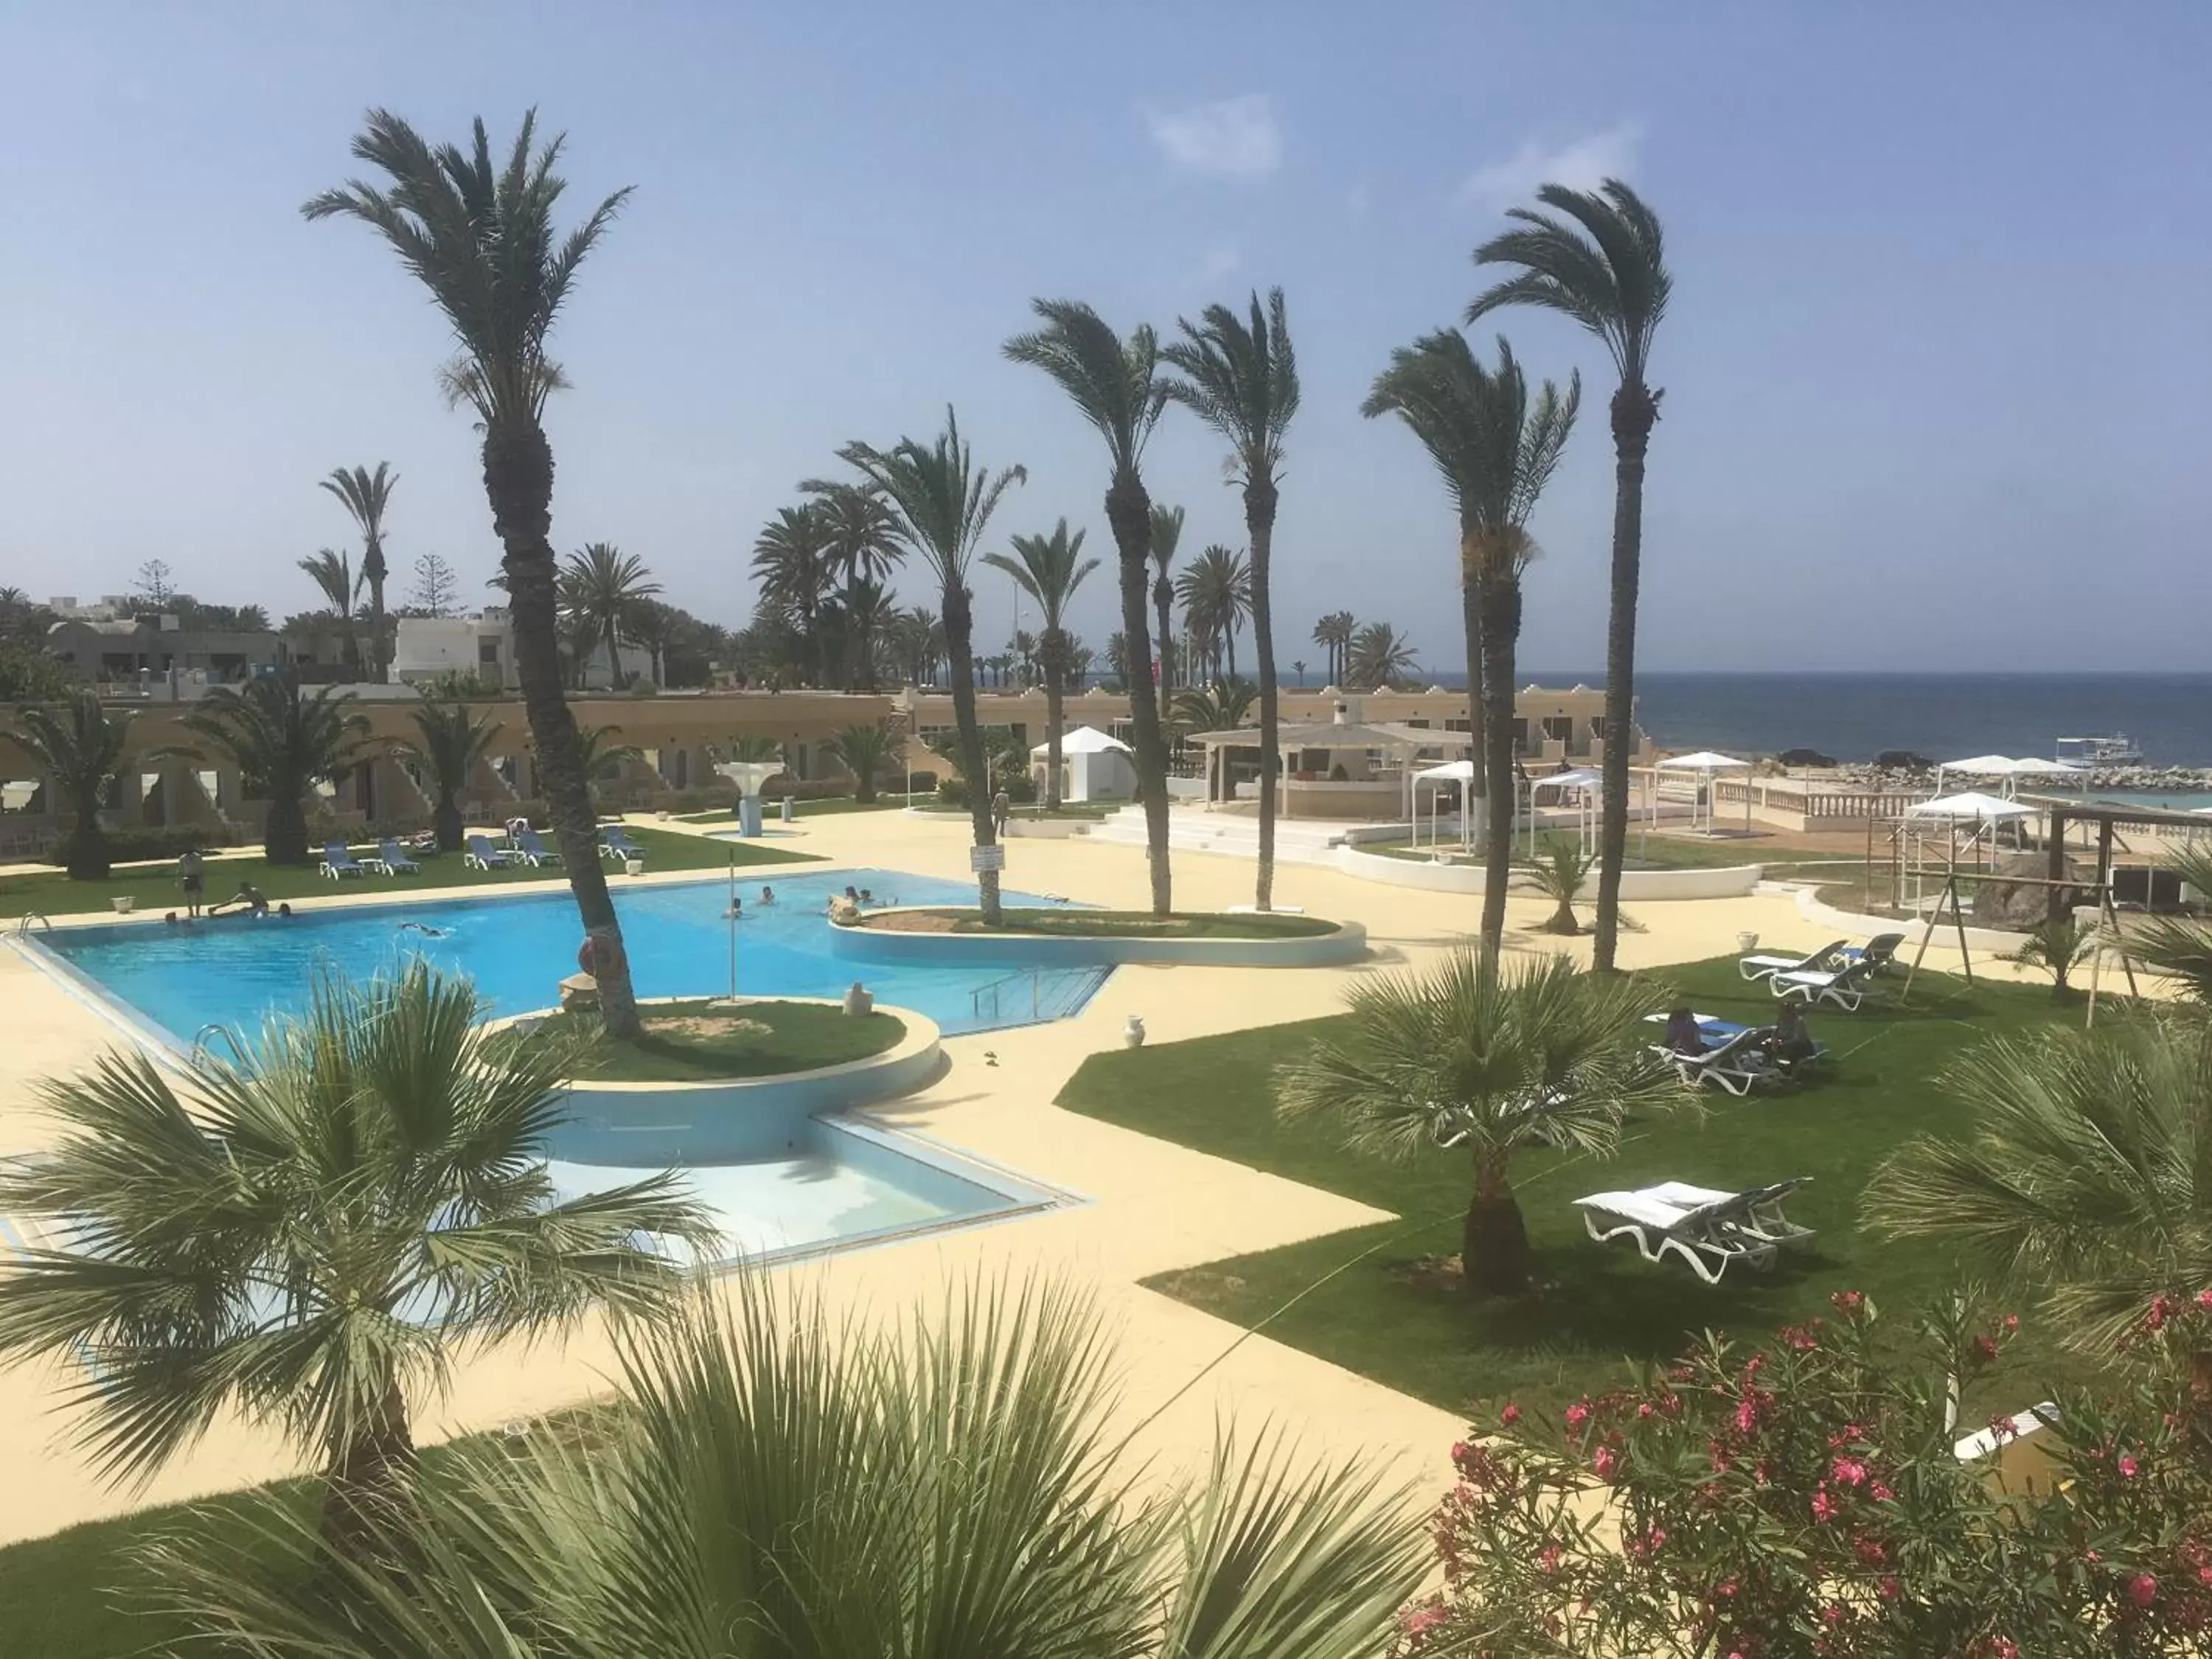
<point>232,971</point>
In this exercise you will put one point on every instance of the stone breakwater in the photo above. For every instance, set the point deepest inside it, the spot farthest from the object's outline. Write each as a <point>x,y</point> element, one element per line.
<point>2131,780</point>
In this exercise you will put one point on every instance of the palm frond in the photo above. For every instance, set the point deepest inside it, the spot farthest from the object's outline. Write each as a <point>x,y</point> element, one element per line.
<point>1113,382</point>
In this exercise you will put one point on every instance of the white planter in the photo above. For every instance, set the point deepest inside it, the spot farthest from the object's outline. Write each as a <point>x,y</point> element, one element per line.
<point>1133,1034</point>
<point>124,903</point>
<point>1747,943</point>
<point>635,866</point>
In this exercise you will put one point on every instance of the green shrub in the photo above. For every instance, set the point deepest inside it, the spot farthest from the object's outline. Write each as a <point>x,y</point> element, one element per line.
<point>156,842</point>
<point>952,791</point>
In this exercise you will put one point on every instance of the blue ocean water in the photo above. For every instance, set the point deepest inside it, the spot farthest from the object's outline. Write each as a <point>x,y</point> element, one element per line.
<point>1854,717</point>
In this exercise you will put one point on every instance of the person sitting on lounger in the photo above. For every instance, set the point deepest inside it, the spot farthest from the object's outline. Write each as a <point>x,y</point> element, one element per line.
<point>1683,1036</point>
<point>248,899</point>
<point>1792,1040</point>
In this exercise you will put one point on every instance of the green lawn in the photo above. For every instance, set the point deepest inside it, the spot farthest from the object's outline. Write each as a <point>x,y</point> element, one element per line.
<point>1139,924</point>
<point>693,1042</point>
<point>1674,853</point>
<point>1358,1299</point>
<point>25,888</point>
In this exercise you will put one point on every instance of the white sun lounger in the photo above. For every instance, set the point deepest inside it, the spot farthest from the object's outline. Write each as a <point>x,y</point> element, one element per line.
<point>1739,1065</point>
<point>1845,987</point>
<point>1762,1216</point>
<point>1707,1229</point>
<point>1762,967</point>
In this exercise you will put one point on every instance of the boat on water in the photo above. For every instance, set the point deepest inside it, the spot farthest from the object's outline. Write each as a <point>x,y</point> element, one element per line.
<point>2117,750</point>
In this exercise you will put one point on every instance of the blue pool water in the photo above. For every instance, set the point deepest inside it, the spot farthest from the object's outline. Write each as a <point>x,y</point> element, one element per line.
<point>232,971</point>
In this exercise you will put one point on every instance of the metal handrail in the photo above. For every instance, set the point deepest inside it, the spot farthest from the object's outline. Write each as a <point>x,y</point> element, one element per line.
<point>229,1037</point>
<point>23,925</point>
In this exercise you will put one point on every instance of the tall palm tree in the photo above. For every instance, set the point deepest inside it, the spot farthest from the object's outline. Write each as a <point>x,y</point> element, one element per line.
<point>1332,633</point>
<point>943,503</point>
<point>478,232</point>
<point>608,583</point>
<point>1484,1060</point>
<point>282,742</point>
<point>1240,376</point>
<point>1495,451</point>
<point>855,623</point>
<point>2088,1173</point>
<point>366,496</point>
<point>1049,569</point>
<point>1379,655</point>
<point>861,533</point>
<point>1216,591</point>
<point>79,746</point>
<point>454,740</point>
<point>310,1234</point>
<point>787,1483</point>
<point>1167,536</point>
<point>793,563</point>
<point>1602,265</point>
<point>1114,384</point>
<point>333,572</point>
<point>864,751</point>
<point>1219,707</point>
<point>656,627</point>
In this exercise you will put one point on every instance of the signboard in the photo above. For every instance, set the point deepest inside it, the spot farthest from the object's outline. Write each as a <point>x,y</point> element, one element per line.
<point>981,858</point>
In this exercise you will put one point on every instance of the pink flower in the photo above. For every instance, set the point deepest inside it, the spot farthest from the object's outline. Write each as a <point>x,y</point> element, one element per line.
<point>1604,1462</point>
<point>1848,1471</point>
<point>1824,1507</point>
<point>2012,1324</point>
<point>1833,1612</point>
<point>2204,1299</point>
<point>1418,1621</point>
<point>1511,1415</point>
<point>1880,1493</point>
<point>2143,1589</point>
<point>1747,1415</point>
<point>1578,1414</point>
<point>1547,1560</point>
<point>1849,1301</point>
<point>1889,1589</point>
<point>1725,1589</point>
<point>2127,1466</point>
<point>2003,1647</point>
<point>1986,1347</point>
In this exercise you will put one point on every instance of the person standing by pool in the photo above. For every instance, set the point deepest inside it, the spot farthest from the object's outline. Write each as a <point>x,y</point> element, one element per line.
<point>191,880</point>
<point>1002,807</point>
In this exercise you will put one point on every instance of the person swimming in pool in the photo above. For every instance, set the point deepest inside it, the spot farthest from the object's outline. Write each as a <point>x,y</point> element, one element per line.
<point>736,912</point>
<point>767,895</point>
<point>866,896</point>
<point>423,928</point>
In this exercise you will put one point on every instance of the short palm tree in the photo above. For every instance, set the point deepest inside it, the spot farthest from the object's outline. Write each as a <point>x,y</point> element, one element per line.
<point>1601,264</point>
<point>1114,384</point>
<point>332,572</point>
<point>79,745</point>
<point>1484,1060</point>
<point>1167,536</point>
<point>1379,656</point>
<point>1333,634</point>
<point>792,562</point>
<point>857,623</point>
<point>864,750</point>
<point>1220,707</point>
<point>944,504</point>
<point>1495,449</point>
<point>1049,569</point>
<point>2179,948</point>
<point>283,743</point>
<point>2089,1172</point>
<point>310,1234</point>
<point>1240,376</point>
<point>368,495</point>
<point>1559,871</point>
<point>1216,591</point>
<point>2055,948</point>
<point>453,741</point>
<point>607,584</point>
<point>478,232</point>
<point>785,1483</point>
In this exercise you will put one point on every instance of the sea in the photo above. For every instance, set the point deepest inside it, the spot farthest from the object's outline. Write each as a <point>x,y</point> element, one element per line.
<point>1854,717</point>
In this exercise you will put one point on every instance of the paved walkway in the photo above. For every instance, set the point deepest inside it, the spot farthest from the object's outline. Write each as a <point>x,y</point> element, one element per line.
<point>1152,1206</point>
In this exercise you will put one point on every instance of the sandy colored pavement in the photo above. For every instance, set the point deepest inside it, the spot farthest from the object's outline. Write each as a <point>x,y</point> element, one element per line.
<point>1146,1206</point>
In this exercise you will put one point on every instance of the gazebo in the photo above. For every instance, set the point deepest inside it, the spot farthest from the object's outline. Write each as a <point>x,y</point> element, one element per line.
<point>1460,772</point>
<point>1704,762</point>
<point>1328,767</point>
<point>1096,765</point>
<point>2011,771</point>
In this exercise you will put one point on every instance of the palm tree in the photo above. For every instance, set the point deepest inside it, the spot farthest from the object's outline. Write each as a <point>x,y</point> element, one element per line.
<point>1241,378</point>
<point>1473,1057</point>
<point>1607,270</point>
<point>1167,536</point>
<point>1332,633</point>
<point>1495,451</point>
<point>864,751</point>
<point>944,504</point>
<point>312,1233</point>
<point>79,746</point>
<point>1298,667</point>
<point>2055,948</point>
<point>861,533</point>
<point>366,496</point>
<point>1216,591</point>
<point>1220,707</point>
<point>1049,569</point>
<point>787,1483</point>
<point>479,235</point>
<point>856,623</point>
<point>2089,1172</point>
<point>454,740</point>
<point>656,627</point>
<point>332,572</point>
<point>607,584</point>
<point>1558,871</point>
<point>791,560</point>
<point>1114,384</point>
<point>283,743</point>
<point>2179,948</point>
<point>1379,654</point>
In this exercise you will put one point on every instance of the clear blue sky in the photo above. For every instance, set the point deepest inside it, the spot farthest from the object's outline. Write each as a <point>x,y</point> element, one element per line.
<point>1936,375</point>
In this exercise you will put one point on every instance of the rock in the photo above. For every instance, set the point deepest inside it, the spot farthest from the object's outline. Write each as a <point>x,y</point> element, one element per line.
<point>1903,760</point>
<point>1805,757</point>
<point>2016,906</point>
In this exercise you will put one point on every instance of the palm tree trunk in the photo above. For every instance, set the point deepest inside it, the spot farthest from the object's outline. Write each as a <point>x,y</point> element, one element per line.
<point>284,831</point>
<point>1164,602</point>
<point>960,646</point>
<point>1478,786</point>
<point>518,467</point>
<point>447,824</point>
<point>88,854</point>
<point>1501,632</point>
<point>1494,1256</point>
<point>1055,655</point>
<point>365,1483</point>
<point>1634,411</point>
<point>373,571</point>
<point>1128,513</point>
<point>1229,638</point>
<point>1260,500</point>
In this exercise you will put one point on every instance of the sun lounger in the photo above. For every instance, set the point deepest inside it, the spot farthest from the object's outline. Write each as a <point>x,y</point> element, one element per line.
<point>1763,967</point>
<point>1703,1236</point>
<point>1845,987</point>
<point>1881,951</point>
<point>615,843</point>
<point>391,860</point>
<point>482,855</point>
<point>1737,1063</point>
<point>1761,1214</point>
<point>530,848</point>
<point>337,861</point>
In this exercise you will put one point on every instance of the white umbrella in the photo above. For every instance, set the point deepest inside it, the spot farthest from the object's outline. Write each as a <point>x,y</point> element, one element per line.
<point>1706,762</point>
<point>1703,760</point>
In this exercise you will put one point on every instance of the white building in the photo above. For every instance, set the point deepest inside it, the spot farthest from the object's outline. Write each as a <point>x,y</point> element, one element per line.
<point>424,647</point>
<point>1092,766</point>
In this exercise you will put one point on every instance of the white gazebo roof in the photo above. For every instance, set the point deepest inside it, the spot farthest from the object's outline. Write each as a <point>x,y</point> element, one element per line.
<point>1084,740</point>
<point>2041,768</point>
<point>1582,777</point>
<point>1703,760</point>
<point>1971,804</point>
<point>1340,734</point>
<point>1982,765</point>
<point>1458,771</point>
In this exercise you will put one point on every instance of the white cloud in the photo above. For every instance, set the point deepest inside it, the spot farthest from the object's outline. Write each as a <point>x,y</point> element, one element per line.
<point>1235,138</point>
<point>1582,163</point>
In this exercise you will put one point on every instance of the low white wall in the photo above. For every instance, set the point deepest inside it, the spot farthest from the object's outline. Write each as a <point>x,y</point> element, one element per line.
<point>1348,943</point>
<point>1947,932</point>
<point>1643,886</point>
<point>1019,827</point>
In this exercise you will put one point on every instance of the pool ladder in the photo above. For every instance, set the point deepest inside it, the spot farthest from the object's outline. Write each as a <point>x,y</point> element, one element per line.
<point>23,923</point>
<point>1002,999</point>
<point>200,1049</point>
